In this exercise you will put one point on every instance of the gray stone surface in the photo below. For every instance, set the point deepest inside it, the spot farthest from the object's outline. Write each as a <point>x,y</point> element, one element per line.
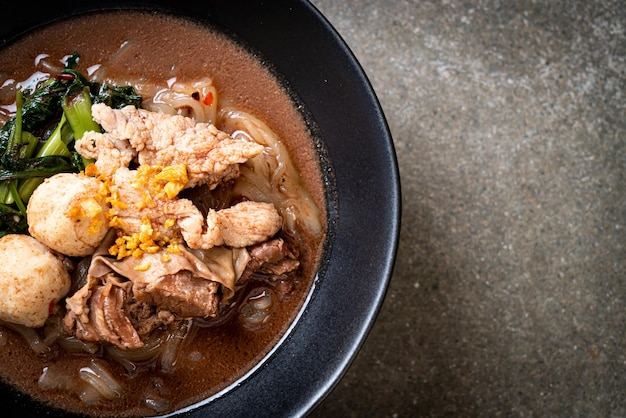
<point>508,296</point>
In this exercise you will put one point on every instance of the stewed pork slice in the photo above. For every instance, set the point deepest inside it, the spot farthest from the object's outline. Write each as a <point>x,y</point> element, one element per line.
<point>139,195</point>
<point>104,310</point>
<point>273,258</point>
<point>210,155</point>
<point>106,313</point>
<point>157,289</point>
<point>186,282</point>
<point>76,321</point>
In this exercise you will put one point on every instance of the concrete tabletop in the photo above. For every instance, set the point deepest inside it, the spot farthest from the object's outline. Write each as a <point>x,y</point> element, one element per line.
<point>508,297</point>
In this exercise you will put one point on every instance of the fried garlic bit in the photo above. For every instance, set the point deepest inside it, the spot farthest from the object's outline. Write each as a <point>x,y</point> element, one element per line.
<point>146,209</point>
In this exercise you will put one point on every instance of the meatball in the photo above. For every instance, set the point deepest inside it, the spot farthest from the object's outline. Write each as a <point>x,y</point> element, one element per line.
<point>32,280</point>
<point>68,214</point>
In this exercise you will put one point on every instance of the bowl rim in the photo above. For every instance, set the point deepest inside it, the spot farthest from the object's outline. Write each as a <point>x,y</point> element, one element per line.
<point>347,295</point>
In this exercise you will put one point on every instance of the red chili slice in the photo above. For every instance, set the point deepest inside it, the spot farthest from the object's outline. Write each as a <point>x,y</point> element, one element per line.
<point>208,99</point>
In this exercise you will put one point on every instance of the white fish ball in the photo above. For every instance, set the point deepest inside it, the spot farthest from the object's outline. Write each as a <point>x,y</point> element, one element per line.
<point>32,280</point>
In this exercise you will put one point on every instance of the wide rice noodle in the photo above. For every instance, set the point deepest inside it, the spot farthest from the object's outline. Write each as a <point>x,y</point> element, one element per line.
<point>271,176</point>
<point>101,379</point>
<point>179,99</point>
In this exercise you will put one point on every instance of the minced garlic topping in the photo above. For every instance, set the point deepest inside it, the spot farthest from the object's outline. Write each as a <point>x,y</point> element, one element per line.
<point>88,208</point>
<point>161,181</point>
<point>157,181</point>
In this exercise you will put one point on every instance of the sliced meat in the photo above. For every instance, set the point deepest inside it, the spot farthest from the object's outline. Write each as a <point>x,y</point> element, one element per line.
<point>95,313</point>
<point>269,251</point>
<point>195,281</point>
<point>137,198</point>
<point>76,321</point>
<point>270,258</point>
<point>146,317</point>
<point>108,317</point>
<point>117,319</point>
<point>182,293</point>
<point>211,155</point>
<point>247,223</point>
<point>280,268</point>
<point>110,153</point>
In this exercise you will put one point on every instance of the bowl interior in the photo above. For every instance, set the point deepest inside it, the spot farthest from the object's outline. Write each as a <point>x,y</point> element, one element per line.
<point>363,193</point>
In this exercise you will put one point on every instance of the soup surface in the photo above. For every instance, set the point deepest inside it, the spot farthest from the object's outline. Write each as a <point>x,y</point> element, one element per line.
<point>147,50</point>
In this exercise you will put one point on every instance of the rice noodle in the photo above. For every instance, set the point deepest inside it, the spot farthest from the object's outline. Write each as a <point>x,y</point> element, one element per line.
<point>197,100</point>
<point>271,176</point>
<point>155,396</point>
<point>98,377</point>
<point>89,395</point>
<point>53,378</point>
<point>74,345</point>
<point>100,75</point>
<point>148,351</point>
<point>157,403</point>
<point>173,344</point>
<point>31,336</point>
<point>51,67</point>
<point>257,307</point>
<point>52,334</point>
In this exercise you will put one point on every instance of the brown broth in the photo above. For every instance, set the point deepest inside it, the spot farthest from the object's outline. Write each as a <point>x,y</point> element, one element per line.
<point>165,47</point>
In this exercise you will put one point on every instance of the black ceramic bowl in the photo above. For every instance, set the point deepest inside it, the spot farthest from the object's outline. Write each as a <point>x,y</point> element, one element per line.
<point>364,196</point>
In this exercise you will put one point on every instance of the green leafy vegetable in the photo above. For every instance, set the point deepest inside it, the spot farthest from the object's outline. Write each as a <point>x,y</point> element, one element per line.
<point>38,141</point>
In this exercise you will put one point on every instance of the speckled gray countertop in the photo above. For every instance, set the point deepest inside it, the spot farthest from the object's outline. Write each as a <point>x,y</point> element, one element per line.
<point>508,296</point>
